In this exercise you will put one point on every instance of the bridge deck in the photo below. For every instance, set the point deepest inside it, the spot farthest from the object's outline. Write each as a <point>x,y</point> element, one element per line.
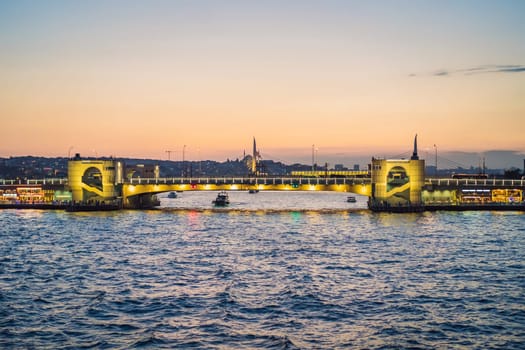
<point>440,182</point>
<point>252,180</point>
<point>144,186</point>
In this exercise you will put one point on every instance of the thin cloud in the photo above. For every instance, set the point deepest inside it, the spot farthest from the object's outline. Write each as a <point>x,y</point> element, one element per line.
<point>441,73</point>
<point>485,69</point>
<point>495,69</point>
<point>512,69</point>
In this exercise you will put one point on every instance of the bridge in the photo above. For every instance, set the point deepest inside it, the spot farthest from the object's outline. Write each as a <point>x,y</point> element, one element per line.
<point>287,183</point>
<point>295,183</point>
<point>399,183</point>
<point>145,187</point>
<point>137,192</point>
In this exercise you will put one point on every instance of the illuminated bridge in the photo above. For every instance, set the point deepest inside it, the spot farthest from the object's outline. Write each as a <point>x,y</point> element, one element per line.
<point>140,187</point>
<point>434,190</point>
<point>246,183</point>
<point>390,183</point>
<point>139,192</point>
<point>250,181</point>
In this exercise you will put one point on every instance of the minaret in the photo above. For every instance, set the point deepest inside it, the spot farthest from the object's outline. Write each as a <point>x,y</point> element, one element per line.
<point>414,154</point>
<point>254,157</point>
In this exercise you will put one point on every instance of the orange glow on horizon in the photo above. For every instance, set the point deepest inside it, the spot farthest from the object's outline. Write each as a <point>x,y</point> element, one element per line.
<point>356,83</point>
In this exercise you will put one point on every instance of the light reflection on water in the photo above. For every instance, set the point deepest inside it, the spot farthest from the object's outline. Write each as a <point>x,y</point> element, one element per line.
<point>262,274</point>
<point>265,201</point>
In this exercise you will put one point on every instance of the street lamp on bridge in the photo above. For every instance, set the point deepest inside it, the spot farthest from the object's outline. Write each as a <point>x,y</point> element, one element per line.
<point>436,159</point>
<point>183,173</point>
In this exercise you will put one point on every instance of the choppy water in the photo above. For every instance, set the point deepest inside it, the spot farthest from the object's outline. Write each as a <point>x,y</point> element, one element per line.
<point>259,277</point>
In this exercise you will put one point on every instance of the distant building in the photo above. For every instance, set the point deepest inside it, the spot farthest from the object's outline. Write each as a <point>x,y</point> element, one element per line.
<point>143,170</point>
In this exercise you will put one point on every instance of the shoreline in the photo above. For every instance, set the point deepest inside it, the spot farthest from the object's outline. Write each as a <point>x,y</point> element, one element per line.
<point>424,208</point>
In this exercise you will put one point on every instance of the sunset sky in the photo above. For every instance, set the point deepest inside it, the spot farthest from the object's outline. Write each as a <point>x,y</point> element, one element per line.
<point>354,78</point>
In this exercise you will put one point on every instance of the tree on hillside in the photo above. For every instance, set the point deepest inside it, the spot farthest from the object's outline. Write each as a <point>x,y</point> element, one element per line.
<point>512,173</point>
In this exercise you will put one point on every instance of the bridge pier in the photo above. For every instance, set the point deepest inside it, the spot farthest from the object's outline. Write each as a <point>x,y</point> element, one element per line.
<point>142,201</point>
<point>93,180</point>
<point>397,183</point>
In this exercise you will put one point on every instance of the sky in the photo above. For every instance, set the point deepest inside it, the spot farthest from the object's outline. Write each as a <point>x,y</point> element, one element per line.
<point>347,79</point>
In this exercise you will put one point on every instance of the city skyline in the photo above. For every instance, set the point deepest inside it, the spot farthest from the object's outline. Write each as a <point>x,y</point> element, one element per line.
<point>355,79</point>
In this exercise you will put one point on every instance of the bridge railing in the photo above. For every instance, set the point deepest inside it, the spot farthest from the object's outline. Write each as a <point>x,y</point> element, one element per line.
<point>250,181</point>
<point>277,180</point>
<point>46,181</point>
<point>475,182</point>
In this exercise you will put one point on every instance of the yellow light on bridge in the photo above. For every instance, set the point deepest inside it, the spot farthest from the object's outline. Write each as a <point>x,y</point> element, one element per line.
<point>234,187</point>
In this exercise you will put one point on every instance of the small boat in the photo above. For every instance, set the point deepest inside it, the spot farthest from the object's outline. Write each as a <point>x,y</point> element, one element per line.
<point>93,207</point>
<point>172,195</point>
<point>222,199</point>
<point>351,199</point>
<point>253,191</point>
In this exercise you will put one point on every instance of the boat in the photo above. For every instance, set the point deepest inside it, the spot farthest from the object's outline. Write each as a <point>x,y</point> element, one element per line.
<point>172,195</point>
<point>51,206</point>
<point>221,200</point>
<point>253,191</point>
<point>351,199</point>
<point>93,207</point>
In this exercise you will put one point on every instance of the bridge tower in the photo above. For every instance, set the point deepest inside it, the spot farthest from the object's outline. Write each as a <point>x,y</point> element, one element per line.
<point>397,183</point>
<point>94,180</point>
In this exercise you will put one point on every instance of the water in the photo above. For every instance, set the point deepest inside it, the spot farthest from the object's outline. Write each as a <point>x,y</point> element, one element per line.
<point>257,276</point>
